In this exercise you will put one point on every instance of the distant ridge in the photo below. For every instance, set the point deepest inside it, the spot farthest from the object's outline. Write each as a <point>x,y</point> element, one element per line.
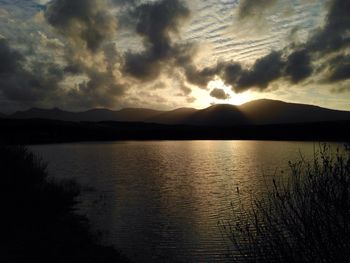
<point>178,116</point>
<point>94,115</point>
<point>278,112</point>
<point>258,112</point>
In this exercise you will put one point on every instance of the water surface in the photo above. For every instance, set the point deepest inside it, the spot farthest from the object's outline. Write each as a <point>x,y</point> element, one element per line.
<point>160,201</point>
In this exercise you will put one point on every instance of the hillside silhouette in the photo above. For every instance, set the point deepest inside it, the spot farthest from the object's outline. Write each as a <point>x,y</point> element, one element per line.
<point>260,119</point>
<point>276,112</point>
<point>258,112</point>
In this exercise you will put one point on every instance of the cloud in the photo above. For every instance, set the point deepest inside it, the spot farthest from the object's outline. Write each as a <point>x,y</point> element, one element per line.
<point>331,42</point>
<point>264,71</point>
<point>341,89</point>
<point>100,90</point>
<point>219,94</point>
<point>40,83</point>
<point>199,77</point>
<point>86,23</point>
<point>231,73</point>
<point>185,89</point>
<point>335,34</point>
<point>10,59</point>
<point>87,27</point>
<point>27,83</point>
<point>294,63</point>
<point>74,56</point>
<point>155,23</point>
<point>298,65</point>
<point>253,8</point>
<point>159,86</point>
<point>191,99</point>
<point>339,68</point>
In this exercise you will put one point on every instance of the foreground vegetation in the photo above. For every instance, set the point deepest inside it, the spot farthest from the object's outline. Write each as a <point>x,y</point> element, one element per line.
<point>39,220</point>
<point>305,218</point>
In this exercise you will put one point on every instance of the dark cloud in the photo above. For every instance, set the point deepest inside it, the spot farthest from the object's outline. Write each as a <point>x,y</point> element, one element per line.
<point>26,83</point>
<point>10,60</point>
<point>264,71</point>
<point>37,83</point>
<point>294,63</point>
<point>100,90</point>
<point>185,89</point>
<point>73,69</point>
<point>142,66</point>
<point>82,21</point>
<point>87,25</point>
<point>219,94</point>
<point>155,23</point>
<point>295,67</point>
<point>298,66</point>
<point>333,38</point>
<point>335,34</point>
<point>253,8</point>
<point>125,2</point>
<point>231,73</point>
<point>339,68</point>
<point>199,77</point>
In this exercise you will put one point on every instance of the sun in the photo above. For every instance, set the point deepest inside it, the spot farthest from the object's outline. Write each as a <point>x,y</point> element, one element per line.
<point>235,98</point>
<point>203,99</point>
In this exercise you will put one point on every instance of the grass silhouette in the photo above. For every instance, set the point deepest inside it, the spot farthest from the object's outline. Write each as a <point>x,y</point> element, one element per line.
<point>305,218</point>
<point>39,220</point>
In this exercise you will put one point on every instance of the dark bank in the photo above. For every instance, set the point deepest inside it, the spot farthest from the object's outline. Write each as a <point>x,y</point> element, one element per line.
<point>40,224</point>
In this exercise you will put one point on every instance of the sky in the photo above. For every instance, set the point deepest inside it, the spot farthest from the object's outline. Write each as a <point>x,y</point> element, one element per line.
<point>166,54</point>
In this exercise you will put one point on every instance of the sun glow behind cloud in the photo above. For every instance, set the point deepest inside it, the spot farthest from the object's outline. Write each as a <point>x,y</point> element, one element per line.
<point>204,99</point>
<point>234,98</point>
<point>183,58</point>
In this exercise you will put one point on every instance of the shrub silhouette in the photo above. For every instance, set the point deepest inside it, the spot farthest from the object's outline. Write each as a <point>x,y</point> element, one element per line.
<point>39,220</point>
<point>303,219</point>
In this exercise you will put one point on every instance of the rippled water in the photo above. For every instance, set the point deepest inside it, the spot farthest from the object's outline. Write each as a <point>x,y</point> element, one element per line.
<point>160,201</point>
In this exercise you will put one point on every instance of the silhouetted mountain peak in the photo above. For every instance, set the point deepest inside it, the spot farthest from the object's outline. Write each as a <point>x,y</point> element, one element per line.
<point>263,111</point>
<point>136,109</point>
<point>222,107</point>
<point>184,109</point>
<point>276,103</point>
<point>98,110</point>
<point>267,111</point>
<point>41,110</point>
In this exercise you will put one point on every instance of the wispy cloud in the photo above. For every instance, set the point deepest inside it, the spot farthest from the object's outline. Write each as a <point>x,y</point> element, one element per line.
<point>115,53</point>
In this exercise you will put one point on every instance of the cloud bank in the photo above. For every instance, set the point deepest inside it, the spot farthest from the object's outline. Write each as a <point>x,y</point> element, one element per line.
<point>294,63</point>
<point>71,56</point>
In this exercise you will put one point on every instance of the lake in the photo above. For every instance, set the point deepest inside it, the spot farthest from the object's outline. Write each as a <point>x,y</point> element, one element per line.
<point>160,201</point>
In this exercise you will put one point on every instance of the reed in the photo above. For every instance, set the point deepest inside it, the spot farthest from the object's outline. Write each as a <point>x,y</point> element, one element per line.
<point>303,218</point>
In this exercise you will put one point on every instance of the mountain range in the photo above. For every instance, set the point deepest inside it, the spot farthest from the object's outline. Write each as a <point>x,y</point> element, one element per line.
<point>258,112</point>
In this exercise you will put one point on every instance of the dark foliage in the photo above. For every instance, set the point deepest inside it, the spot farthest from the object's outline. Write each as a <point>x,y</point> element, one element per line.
<point>303,219</point>
<point>39,220</point>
